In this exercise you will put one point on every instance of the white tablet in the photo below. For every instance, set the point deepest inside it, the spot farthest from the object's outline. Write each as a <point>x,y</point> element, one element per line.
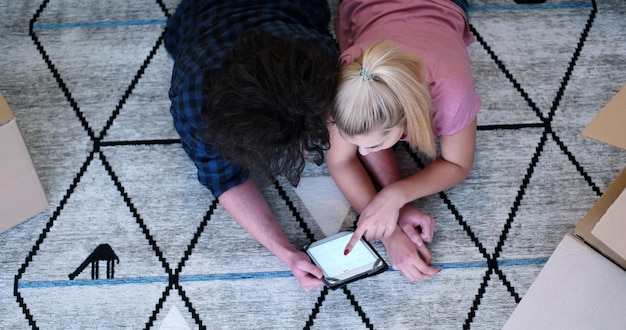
<point>340,269</point>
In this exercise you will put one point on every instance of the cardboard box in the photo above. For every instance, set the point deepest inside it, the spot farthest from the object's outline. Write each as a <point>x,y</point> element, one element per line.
<point>21,193</point>
<point>583,284</point>
<point>576,289</point>
<point>603,230</point>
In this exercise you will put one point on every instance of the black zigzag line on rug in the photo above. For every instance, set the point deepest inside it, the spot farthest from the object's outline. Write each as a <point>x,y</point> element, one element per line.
<point>507,73</point>
<point>70,190</point>
<point>320,301</point>
<point>96,148</point>
<point>162,300</point>
<point>357,308</point>
<point>159,306</point>
<point>561,91</point>
<point>294,212</point>
<point>173,279</point>
<point>506,283</point>
<point>190,308</point>
<point>135,80</point>
<point>548,130</point>
<point>42,236</point>
<point>135,213</point>
<point>570,69</point>
<point>508,126</point>
<point>493,260</point>
<point>459,218</point>
<point>196,236</point>
<point>493,264</point>
<point>576,164</point>
<point>573,60</point>
<point>521,192</point>
<point>55,72</point>
<point>316,308</point>
<point>481,291</point>
<point>138,75</point>
<point>192,244</point>
<point>133,84</point>
<point>151,142</point>
<point>164,8</point>
<point>311,237</point>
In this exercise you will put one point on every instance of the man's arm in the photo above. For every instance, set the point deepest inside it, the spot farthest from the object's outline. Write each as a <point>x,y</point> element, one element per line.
<point>248,207</point>
<point>238,195</point>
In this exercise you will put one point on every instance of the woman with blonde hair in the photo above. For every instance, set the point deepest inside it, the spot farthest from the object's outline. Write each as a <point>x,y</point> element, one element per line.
<point>406,75</point>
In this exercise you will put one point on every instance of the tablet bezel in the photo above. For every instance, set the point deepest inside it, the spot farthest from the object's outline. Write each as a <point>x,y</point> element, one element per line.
<point>366,269</point>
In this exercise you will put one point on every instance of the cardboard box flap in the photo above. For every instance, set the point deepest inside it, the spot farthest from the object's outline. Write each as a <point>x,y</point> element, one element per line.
<point>21,193</point>
<point>597,211</point>
<point>5,112</point>
<point>612,226</point>
<point>609,125</point>
<point>576,289</point>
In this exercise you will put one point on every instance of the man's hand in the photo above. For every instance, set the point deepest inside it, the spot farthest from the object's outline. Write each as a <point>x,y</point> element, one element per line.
<point>308,274</point>
<point>248,207</point>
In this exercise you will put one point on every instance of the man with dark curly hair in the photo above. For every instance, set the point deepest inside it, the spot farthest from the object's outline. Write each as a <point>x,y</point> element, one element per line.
<point>252,86</point>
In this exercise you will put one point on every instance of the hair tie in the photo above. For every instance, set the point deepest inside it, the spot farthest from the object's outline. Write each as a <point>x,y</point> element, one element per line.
<point>366,75</point>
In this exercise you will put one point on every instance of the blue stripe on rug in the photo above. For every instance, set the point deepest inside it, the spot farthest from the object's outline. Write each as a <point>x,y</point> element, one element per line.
<point>532,7</point>
<point>52,26</point>
<point>246,276</point>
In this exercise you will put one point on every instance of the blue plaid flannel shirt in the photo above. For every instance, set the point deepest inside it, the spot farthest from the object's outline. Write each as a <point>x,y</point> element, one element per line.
<point>199,35</point>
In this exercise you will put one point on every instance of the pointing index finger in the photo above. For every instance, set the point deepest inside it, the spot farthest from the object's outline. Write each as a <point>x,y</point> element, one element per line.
<point>356,236</point>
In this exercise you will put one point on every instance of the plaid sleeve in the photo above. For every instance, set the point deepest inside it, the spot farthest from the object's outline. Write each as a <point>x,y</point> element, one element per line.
<point>199,35</point>
<point>214,171</point>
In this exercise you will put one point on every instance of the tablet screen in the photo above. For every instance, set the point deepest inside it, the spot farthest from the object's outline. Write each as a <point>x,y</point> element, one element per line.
<point>329,257</point>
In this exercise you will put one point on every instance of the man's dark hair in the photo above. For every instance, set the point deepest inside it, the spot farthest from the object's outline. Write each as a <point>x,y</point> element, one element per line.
<point>269,103</point>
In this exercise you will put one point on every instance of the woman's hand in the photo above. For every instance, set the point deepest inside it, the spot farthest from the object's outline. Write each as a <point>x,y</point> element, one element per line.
<point>413,261</point>
<point>379,218</point>
<point>417,225</point>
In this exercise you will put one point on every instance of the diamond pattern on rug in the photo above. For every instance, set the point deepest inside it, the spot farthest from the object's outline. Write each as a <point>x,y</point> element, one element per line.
<point>55,263</point>
<point>182,259</point>
<point>534,39</point>
<point>168,197</point>
<point>148,100</point>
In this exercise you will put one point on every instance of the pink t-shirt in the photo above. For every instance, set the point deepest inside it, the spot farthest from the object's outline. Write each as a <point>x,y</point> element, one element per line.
<point>436,31</point>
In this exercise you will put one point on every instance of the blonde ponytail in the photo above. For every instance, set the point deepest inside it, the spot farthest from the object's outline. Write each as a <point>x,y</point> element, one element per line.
<point>383,88</point>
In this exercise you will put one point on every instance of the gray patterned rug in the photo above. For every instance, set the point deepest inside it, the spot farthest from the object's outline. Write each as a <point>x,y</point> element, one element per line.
<point>88,83</point>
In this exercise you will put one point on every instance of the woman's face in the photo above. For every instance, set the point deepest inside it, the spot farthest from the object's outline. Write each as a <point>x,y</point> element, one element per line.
<point>377,139</point>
